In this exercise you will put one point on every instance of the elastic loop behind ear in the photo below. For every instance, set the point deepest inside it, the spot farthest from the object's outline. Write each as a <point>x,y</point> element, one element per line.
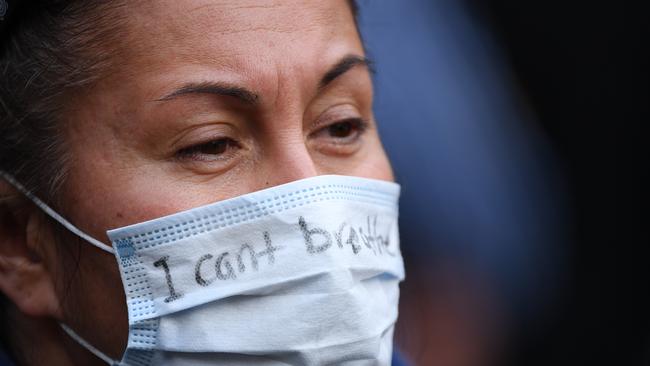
<point>53,214</point>
<point>88,346</point>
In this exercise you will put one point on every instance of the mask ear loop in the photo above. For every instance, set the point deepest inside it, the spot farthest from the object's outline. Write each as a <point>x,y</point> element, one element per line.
<point>53,214</point>
<point>88,346</point>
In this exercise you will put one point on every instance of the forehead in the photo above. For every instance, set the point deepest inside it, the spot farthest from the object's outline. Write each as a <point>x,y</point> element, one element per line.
<point>240,34</point>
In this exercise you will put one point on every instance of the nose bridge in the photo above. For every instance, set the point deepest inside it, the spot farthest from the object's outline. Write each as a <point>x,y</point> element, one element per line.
<point>286,157</point>
<point>289,159</point>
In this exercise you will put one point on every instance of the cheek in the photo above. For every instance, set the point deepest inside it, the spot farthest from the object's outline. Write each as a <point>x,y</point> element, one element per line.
<point>376,164</point>
<point>92,295</point>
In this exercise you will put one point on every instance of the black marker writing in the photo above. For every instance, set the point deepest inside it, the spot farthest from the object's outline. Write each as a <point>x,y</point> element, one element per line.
<point>197,271</point>
<point>270,249</point>
<point>173,295</point>
<point>355,236</point>
<point>376,240</point>
<point>251,255</point>
<point>309,233</point>
<point>339,235</point>
<point>230,272</point>
<point>353,239</point>
<point>246,254</point>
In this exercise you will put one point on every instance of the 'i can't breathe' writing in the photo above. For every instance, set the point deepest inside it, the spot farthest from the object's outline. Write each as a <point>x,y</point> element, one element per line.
<point>229,265</point>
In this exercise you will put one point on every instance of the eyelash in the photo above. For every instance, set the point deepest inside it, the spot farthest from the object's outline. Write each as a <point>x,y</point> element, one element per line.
<point>194,152</point>
<point>359,125</point>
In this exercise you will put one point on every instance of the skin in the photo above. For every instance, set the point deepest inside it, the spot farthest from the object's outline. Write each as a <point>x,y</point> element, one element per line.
<point>138,154</point>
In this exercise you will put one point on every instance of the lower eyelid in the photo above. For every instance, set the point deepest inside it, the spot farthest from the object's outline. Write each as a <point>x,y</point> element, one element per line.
<point>340,147</point>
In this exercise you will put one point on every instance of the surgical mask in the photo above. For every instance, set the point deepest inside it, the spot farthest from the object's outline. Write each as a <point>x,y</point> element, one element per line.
<point>305,273</point>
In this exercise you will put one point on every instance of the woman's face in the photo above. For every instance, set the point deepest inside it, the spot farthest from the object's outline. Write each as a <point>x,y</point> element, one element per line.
<point>208,100</point>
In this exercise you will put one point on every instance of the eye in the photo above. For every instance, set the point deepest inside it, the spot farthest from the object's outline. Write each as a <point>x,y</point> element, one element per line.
<point>341,138</point>
<point>212,150</point>
<point>341,129</point>
<point>343,132</point>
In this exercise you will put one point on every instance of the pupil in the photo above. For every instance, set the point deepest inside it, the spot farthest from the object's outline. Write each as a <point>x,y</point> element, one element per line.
<point>216,147</point>
<point>342,129</point>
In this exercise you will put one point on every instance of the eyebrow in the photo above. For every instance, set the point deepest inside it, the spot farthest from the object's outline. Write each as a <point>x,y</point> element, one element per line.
<point>216,88</point>
<point>346,64</point>
<point>250,98</point>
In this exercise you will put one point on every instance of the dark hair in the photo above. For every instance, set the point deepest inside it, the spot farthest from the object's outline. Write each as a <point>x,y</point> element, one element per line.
<point>49,50</point>
<point>52,50</point>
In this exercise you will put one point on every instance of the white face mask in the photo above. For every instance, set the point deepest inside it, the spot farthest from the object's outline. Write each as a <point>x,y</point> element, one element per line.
<point>305,273</point>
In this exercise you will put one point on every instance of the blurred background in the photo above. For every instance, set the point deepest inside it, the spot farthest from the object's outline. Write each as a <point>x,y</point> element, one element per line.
<point>501,118</point>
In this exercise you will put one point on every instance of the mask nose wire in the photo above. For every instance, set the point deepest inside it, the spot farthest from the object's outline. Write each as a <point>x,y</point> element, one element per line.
<point>53,214</point>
